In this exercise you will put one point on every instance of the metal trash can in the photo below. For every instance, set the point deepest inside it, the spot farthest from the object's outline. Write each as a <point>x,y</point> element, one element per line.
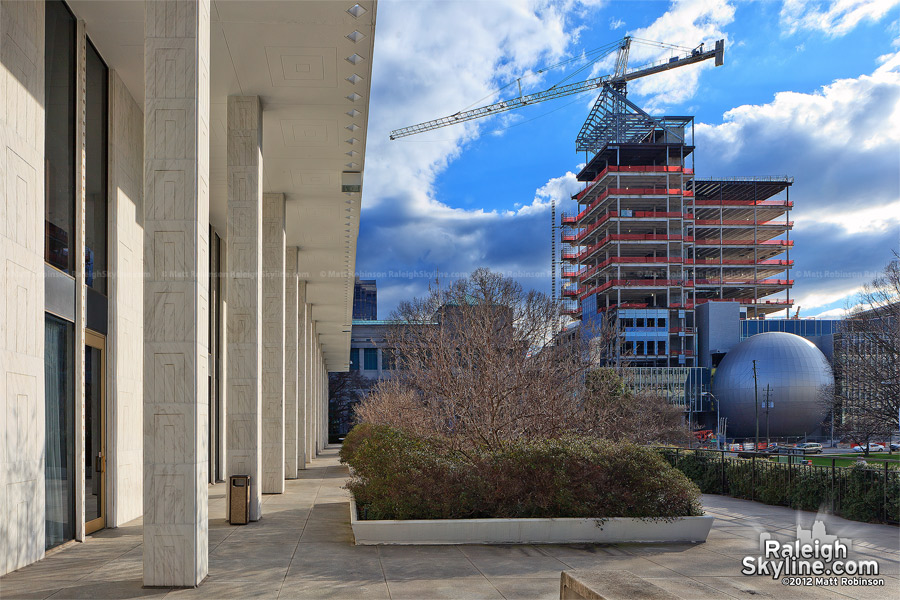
<point>239,499</point>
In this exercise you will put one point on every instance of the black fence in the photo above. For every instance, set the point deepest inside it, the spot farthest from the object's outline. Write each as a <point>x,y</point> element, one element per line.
<point>863,492</point>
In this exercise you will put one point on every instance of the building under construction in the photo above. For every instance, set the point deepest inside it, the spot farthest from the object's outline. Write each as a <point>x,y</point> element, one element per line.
<point>652,241</point>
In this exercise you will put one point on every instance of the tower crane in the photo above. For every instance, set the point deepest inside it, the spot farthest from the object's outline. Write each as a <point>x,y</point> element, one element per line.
<point>615,81</point>
<point>612,118</point>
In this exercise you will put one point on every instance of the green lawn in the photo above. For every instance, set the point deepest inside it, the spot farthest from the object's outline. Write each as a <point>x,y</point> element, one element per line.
<point>847,460</point>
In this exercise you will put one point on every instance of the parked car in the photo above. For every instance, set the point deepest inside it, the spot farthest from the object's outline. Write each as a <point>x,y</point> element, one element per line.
<point>895,446</point>
<point>772,449</point>
<point>872,448</point>
<point>810,448</point>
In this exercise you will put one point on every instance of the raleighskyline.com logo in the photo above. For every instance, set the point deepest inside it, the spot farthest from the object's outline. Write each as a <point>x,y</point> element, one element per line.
<point>813,559</point>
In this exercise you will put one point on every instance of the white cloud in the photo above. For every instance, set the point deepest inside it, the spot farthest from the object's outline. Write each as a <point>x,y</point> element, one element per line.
<point>817,299</point>
<point>875,219</point>
<point>616,23</point>
<point>842,149</point>
<point>838,141</point>
<point>834,313</point>
<point>687,23</point>
<point>434,59</point>
<point>834,18</point>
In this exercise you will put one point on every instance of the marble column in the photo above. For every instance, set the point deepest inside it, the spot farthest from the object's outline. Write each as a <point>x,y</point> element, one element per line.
<point>302,357</point>
<point>310,386</point>
<point>244,294</point>
<point>22,272</point>
<point>273,345</point>
<point>176,260</point>
<point>291,374</point>
<point>322,425</point>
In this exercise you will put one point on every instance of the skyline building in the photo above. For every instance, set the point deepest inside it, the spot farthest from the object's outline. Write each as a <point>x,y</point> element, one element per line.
<point>365,300</point>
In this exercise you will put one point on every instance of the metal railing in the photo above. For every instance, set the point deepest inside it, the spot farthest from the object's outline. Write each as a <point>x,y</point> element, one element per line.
<point>865,492</point>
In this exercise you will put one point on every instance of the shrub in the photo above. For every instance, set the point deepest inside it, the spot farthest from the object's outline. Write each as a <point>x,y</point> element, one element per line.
<point>856,492</point>
<point>400,476</point>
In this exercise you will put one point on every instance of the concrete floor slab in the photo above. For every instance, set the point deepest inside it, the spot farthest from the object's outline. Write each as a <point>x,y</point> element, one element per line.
<point>513,561</point>
<point>544,588</point>
<point>336,590</point>
<point>474,588</point>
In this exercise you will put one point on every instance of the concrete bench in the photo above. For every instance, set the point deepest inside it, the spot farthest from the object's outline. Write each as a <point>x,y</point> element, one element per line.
<point>609,585</point>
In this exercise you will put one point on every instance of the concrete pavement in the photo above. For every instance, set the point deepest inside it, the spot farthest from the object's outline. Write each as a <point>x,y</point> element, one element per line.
<point>303,548</point>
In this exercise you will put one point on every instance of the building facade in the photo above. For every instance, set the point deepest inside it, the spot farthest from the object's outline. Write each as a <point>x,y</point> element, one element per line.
<point>171,320</point>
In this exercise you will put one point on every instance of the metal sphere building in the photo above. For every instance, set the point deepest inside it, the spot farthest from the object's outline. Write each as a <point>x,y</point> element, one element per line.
<point>795,371</point>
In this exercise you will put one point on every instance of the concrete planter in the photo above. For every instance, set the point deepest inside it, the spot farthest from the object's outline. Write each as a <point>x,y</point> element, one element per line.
<point>527,531</point>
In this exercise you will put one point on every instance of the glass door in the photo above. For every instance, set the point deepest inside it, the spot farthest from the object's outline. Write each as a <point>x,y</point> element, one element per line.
<point>94,432</point>
<point>59,465</point>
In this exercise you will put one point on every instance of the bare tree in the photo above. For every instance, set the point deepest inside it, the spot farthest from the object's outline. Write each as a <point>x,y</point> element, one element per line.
<point>483,361</point>
<point>615,411</point>
<point>345,391</point>
<point>852,422</point>
<point>867,359</point>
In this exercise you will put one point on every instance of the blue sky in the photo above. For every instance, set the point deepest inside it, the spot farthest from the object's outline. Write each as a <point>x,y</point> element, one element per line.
<point>808,89</point>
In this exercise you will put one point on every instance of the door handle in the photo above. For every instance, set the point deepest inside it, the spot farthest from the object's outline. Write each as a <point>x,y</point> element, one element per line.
<point>98,463</point>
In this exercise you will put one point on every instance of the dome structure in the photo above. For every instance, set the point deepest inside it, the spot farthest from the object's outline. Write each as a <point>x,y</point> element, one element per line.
<point>795,371</point>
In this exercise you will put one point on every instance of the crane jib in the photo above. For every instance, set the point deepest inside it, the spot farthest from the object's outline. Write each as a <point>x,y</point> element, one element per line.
<point>557,92</point>
<point>505,105</point>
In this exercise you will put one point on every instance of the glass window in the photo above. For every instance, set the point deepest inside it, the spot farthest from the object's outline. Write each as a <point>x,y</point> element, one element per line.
<point>59,430</point>
<point>59,137</point>
<point>370,359</point>
<point>354,359</point>
<point>95,147</point>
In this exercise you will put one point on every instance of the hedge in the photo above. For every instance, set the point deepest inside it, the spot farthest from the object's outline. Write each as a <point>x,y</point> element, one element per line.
<point>860,492</point>
<point>400,476</point>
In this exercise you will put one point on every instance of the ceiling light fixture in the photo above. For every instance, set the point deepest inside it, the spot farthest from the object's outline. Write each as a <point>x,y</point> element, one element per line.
<point>357,11</point>
<point>356,36</point>
<point>354,59</point>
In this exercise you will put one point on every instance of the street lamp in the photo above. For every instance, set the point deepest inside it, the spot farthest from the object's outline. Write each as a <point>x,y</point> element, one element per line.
<point>756,404</point>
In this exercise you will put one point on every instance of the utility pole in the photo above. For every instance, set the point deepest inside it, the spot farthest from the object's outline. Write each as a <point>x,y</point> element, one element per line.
<point>767,415</point>
<point>756,403</point>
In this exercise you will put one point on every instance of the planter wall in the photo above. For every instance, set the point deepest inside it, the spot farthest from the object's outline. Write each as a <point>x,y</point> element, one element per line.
<point>527,531</point>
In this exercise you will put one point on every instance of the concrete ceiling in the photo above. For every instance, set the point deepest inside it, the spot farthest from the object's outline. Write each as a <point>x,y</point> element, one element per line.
<point>310,63</point>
